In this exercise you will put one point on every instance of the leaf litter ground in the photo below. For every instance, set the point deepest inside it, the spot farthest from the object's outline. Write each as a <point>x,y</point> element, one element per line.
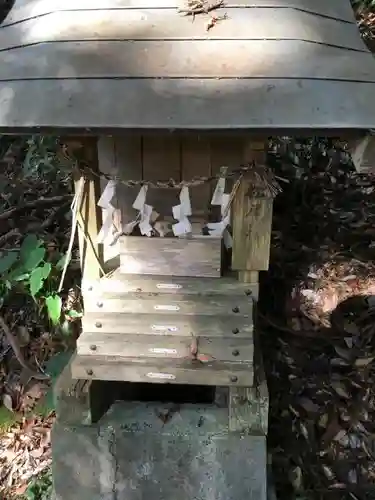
<point>35,196</point>
<point>318,330</point>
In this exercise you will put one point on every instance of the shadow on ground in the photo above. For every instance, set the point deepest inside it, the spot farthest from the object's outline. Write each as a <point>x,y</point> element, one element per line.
<point>317,319</point>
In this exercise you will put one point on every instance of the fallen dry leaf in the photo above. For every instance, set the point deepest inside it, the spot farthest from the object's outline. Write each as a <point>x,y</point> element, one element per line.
<point>340,390</point>
<point>7,402</point>
<point>20,490</point>
<point>362,362</point>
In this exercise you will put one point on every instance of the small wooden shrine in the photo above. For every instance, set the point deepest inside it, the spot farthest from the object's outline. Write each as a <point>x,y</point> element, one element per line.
<point>168,105</point>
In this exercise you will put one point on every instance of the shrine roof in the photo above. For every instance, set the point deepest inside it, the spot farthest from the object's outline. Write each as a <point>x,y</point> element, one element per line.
<point>142,64</point>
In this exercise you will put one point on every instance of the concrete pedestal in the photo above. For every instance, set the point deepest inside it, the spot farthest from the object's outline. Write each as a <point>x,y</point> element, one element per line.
<point>132,454</point>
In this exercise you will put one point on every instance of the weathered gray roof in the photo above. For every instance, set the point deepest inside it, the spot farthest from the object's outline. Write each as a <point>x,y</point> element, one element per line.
<point>140,64</point>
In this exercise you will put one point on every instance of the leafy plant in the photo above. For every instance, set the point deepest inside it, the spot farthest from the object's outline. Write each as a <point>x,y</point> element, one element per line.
<point>40,488</point>
<point>43,156</point>
<point>364,3</point>
<point>54,368</point>
<point>29,268</point>
<point>40,155</point>
<point>7,419</point>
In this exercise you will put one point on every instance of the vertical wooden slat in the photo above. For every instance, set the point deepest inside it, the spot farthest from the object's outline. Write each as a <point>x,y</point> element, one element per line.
<point>162,160</point>
<point>120,156</point>
<point>128,161</point>
<point>196,162</point>
<point>226,152</point>
<point>107,165</point>
<point>89,215</point>
<point>106,157</point>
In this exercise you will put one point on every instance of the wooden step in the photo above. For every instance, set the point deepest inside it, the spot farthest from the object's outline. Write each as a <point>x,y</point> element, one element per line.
<point>165,346</point>
<point>169,324</point>
<point>191,324</point>
<point>173,305</point>
<point>162,371</point>
<point>117,283</point>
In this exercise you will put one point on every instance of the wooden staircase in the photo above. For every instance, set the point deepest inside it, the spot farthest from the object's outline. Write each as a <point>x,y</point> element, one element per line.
<point>168,329</point>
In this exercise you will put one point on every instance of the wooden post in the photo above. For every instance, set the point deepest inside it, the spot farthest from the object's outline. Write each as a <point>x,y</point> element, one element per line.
<point>89,214</point>
<point>252,220</point>
<point>249,406</point>
<point>252,223</point>
<point>363,154</point>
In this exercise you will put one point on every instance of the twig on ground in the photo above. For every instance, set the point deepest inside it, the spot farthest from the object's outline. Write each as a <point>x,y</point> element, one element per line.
<point>18,353</point>
<point>13,233</point>
<point>195,7</point>
<point>33,204</point>
<point>37,226</point>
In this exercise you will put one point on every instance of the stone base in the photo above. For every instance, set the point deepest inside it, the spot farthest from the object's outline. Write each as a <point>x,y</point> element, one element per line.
<point>135,453</point>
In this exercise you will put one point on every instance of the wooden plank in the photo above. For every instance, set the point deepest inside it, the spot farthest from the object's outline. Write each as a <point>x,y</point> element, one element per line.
<point>106,158</point>
<point>198,256</point>
<point>128,158</point>
<point>185,59</point>
<point>252,221</point>
<point>236,350</point>
<point>107,165</point>
<point>267,24</point>
<point>162,160</point>
<point>203,104</point>
<point>24,9</point>
<point>196,162</point>
<point>166,371</point>
<point>363,154</point>
<point>165,324</point>
<point>249,277</point>
<point>120,284</point>
<point>226,152</point>
<point>89,214</point>
<point>174,305</point>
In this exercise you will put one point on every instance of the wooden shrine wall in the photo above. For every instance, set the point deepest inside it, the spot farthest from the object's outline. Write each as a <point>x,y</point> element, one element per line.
<point>163,157</point>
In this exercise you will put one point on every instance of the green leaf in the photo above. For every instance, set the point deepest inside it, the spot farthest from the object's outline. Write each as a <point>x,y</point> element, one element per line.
<point>74,314</point>
<point>66,328</point>
<point>18,274</point>
<point>7,419</point>
<point>29,244</point>
<point>36,280</point>
<point>40,487</point>
<point>57,363</point>
<point>61,263</point>
<point>53,368</point>
<point>46,270</point>
<point>53,303</point>
<point>34,259</point>
<point>27,167</point>
<point>7,261</point>
<point>20,277</point>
